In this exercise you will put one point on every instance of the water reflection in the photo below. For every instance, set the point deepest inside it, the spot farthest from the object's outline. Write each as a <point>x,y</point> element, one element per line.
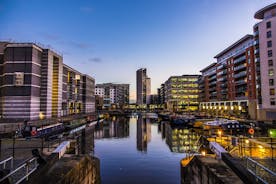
<point>115,127</point>
<point>143,151</point>
<point>180,139</point>
<point>143,133</point>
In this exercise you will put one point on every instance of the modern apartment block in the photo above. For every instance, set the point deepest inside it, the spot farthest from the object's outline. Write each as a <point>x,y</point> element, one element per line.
<point>33,81</point>
<point>228,86</point>
<point>143,87</point>
<point>117,94</point>
<point>182,93</point>
<point>78,92</point>
<point>265,58</point>
<point>161,94</point>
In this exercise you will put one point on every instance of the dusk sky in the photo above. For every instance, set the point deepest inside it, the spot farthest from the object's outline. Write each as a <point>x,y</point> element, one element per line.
<point>111,39</point>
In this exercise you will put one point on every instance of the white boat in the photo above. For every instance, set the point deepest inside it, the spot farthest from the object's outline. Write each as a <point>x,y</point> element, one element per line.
<point>219,122</point>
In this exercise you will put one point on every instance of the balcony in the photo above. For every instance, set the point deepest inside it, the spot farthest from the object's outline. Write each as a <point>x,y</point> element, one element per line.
<point>256,33</point>
<point>224,72</point>
<point>256,42</point>
<point>222,66</point>
<point>213,77</point>
<point>223,85</point>
<point>212,89</point>
<point>239,75</point>
<point>240,82</point>
<point>256,51</point>
<point>257,60</point>
<point>240,67</point>
<point>241,90</point>
<point>212,83</point>
<point>240,59</point>
<point>222,79</point>
<point>224,91</point>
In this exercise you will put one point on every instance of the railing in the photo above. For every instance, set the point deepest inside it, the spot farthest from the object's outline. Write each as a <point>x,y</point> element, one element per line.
<point>240,59</point>
<point>261,173</point>
<point>4,163</point>
<point>22,172</point>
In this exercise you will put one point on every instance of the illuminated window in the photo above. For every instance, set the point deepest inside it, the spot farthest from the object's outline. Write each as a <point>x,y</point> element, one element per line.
<point>270,72</point>
<point>272,91</point>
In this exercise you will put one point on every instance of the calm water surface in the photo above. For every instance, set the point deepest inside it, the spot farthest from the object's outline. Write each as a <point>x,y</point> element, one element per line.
<point>137,150</point>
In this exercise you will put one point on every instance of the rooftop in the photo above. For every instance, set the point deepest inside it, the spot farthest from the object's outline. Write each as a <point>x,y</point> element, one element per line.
<point>208,67</point>
<point>246,37</point>
<point>260,14</point>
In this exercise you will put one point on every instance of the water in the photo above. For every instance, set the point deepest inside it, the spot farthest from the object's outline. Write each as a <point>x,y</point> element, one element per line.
<point>137,150</point>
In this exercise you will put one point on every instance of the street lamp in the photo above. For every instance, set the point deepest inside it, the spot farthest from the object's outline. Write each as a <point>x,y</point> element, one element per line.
<point>219,133</point>
<point>41,117</point>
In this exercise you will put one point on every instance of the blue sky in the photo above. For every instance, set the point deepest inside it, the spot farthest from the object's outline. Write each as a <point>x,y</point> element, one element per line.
<point>111,39</point>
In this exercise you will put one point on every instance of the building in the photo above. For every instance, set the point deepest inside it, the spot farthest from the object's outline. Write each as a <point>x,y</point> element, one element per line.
<point>182,93</point>
<point>265,58</point>
<point>143,135</point>
<point>228,86</point>
<point>161,94</point>
<point>34,83</point>
<point>143,87</point>
<point>113,94</point>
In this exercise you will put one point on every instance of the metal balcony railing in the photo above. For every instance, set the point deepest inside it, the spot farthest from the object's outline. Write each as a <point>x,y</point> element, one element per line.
<point>240,59</point>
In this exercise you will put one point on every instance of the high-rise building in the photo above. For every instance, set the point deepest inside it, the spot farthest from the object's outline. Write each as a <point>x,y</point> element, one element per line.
<point>143,87</point>
<point>181,93</point>
<point>34,83</point>
<point>228,86</point>
<point>265,59</point>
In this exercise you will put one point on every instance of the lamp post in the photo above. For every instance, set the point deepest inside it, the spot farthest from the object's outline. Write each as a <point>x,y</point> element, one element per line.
<point>219,133</point>
<point>41,117</point>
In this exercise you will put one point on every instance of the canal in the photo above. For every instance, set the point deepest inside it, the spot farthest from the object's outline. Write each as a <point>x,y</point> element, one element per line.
<point>139,150</point>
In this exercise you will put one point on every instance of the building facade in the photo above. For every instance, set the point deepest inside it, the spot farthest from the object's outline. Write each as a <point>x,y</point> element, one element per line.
<point>113,94</point>
<point>182,93</point>
<point>34,83</point>
<point>143,87</point>
<point>265,58</point>
<point>228,86</point>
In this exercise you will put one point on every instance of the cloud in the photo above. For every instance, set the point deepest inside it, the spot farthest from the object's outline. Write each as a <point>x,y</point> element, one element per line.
<point>86,9</point>
<point>95,60</point>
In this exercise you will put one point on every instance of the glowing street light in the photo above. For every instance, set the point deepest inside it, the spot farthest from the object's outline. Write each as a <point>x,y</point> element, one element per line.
<point>41,115</point>
<point>219,133</point>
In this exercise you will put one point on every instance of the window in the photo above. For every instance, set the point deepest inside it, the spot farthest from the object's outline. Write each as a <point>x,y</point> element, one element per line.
<point>272,101</point>
<point>249,61</point>
<point>270,62</point>
<point>268,34</point>
<point>271,82</point>
<point>268,25</point>
<point>248,53</point>
<point>271,72</point>
<point>272,91</point>
<point>269,43</point>
<point>269,53</point>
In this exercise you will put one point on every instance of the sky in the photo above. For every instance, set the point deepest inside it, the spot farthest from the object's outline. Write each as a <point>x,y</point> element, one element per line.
<point>110,39</point>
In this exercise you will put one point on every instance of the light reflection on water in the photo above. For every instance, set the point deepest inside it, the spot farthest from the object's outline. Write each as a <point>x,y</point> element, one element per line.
<point>139,151</point>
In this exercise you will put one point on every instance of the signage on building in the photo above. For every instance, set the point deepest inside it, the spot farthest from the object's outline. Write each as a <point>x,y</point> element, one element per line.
<point>18,78</point>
